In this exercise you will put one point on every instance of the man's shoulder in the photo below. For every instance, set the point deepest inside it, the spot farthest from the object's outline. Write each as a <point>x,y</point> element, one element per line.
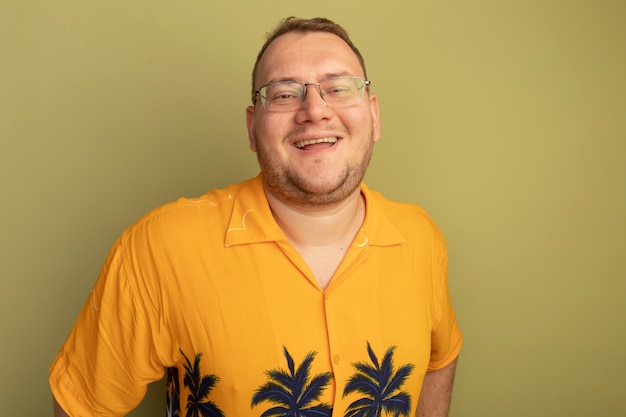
<point>396,208</point>
<point>212,200</point>
<point>409,218</point>
<point>211,208</point>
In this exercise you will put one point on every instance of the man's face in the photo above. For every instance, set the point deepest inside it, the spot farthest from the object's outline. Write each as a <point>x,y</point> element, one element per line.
<point>328,171</point>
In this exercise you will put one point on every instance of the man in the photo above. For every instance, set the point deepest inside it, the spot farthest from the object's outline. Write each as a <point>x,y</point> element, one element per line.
<point>298,292</point>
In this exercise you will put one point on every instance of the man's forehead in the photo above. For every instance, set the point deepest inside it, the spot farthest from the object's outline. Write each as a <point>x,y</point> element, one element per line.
<point>308,51</point>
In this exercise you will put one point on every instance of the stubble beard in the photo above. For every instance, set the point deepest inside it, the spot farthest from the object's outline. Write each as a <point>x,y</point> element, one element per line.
<point>293,188</point>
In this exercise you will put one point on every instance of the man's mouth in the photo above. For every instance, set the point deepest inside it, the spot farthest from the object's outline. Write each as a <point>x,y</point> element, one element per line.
<point>304,143</point>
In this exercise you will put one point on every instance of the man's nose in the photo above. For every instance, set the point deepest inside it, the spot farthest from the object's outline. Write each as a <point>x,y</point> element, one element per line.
<point>319,89</point>
<point>313,104</point>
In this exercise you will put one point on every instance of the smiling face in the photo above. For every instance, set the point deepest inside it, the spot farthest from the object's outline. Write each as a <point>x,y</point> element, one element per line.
<point>316,155</point>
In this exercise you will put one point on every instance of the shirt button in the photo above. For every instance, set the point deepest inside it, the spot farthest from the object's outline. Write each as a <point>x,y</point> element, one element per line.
<point>336,359</point>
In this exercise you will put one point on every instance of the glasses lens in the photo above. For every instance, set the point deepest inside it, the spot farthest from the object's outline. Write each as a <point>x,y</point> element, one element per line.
<point>282,95</point>
<point>342,87</point>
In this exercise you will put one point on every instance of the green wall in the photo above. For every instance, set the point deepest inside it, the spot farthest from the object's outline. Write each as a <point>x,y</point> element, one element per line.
<point>504,119</point>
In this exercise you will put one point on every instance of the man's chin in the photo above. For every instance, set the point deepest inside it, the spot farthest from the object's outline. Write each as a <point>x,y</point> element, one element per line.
<point>319,194</point>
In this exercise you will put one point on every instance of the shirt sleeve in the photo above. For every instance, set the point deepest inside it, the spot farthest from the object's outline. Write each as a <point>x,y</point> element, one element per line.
<point>446,338</point>
<point>108,359</point>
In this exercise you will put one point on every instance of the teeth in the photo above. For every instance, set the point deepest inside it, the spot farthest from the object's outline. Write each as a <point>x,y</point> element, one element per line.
<point>304,143</point>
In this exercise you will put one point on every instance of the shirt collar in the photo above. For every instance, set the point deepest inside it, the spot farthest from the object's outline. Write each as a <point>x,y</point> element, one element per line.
<point>252,221</point>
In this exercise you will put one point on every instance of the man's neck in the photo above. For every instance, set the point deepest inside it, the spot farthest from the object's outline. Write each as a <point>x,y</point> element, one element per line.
<point>319,226</point>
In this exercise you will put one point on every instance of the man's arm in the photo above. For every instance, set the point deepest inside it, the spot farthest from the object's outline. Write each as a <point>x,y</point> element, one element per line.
<point>58,411</point>
<point>436,392</point>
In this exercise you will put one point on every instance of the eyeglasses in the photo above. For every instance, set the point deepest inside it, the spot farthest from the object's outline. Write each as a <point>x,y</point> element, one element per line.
<point>286,96</point>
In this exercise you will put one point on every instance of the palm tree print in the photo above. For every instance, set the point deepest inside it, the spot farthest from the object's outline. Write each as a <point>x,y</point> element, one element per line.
<point>199,386</point>
<point>294,393</point>
<point>173,393</point>
<point>379,385</point>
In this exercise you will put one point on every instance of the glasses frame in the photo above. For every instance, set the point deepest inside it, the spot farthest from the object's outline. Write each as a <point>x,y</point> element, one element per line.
<point>257,93</point>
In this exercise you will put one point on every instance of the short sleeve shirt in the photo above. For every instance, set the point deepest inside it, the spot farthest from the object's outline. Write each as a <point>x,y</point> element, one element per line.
<point>210,292</point>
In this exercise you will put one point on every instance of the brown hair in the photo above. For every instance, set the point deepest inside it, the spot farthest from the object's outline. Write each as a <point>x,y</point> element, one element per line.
<point>317,24</point>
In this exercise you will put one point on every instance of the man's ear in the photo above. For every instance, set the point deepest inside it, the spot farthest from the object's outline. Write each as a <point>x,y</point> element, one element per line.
<point>250,125</point>
<point>375,117</point>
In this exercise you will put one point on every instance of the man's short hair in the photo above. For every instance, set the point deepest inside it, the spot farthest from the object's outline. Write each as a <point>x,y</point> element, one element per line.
<point>317,24</point>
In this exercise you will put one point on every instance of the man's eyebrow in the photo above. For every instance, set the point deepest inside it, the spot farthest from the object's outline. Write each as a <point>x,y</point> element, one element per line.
<point>279,80</point>
<point>323,77</point>
<point>338,74</point>
<point>284,79</point>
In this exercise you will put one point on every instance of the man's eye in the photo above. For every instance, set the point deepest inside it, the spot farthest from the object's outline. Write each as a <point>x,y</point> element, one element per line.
<point>284,95</point>
<point>338,90</point>
<point>280,95</point>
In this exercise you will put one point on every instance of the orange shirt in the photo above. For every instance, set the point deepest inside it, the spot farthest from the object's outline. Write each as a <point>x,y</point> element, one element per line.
<point>211,290</point>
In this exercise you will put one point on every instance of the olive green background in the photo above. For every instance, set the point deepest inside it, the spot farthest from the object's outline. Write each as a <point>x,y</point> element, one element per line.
<point>504,119</point>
